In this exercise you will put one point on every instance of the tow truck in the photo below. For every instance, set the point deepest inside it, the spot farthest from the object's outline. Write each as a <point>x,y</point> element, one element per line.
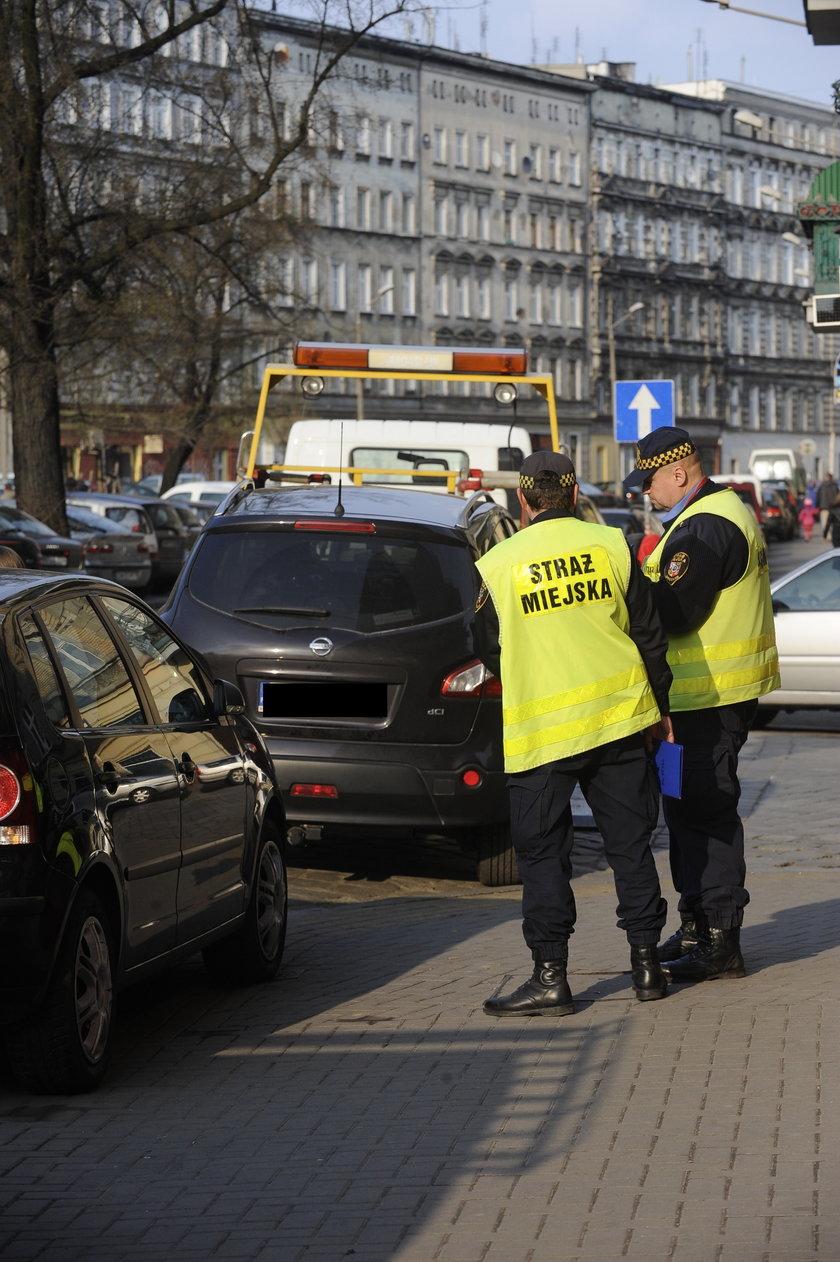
<point>315,363</point>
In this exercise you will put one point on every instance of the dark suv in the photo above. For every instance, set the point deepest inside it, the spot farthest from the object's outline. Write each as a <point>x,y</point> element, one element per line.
<point>344,617</point>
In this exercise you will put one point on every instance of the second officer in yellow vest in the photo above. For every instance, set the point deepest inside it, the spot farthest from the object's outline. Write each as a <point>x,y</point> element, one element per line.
<point>566,620</point>
<point>710,585</point>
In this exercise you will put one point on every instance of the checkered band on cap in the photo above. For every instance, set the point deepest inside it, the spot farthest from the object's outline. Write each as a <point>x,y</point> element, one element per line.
<point>664,457</point>
<point>546,476</point>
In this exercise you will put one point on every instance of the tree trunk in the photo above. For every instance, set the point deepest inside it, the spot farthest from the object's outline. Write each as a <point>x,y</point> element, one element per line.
<point>39,481</point>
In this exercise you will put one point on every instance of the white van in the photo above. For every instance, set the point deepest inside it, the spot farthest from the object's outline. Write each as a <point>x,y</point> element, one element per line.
<point>423,446</point>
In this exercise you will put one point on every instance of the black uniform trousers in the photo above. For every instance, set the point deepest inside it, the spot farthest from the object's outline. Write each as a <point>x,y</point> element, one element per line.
<point>706,833</point>
<point>619,783</point>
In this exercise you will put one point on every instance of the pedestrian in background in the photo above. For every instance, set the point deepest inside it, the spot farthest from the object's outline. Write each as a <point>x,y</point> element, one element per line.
<point>832,524</point>
<point>710,585</point>
<point>827,493</point>
<point>566,620</point>
<point>648,541</point>
<point>808,514</point>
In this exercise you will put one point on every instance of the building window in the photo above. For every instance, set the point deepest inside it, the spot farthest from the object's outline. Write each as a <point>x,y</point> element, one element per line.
<point>575,306</point>
<point>285,281</point>
<point>335,133</point>
<point>409,291</point>
<point>407,142</point>
<point>336,207</point>
<point>482,153</point>
<point>309,282</point>
<point>482,298</point>
<point>386,291</point>
<point>509,158</point>
<point>535,231</point>
<point>363,209</point>
<point>462,218</point>
<point>386,211</point>
<point>386,138</point>
<point>365,280</point>
<point>535,155</point>
<point>509,226</point>
<point>462,297</point>
<point>575,169</point>
<point>483,213</point>
<point>555,305</point>
<point>363,135</point>
<point>307,201</point>
<point>439,145</point>
<point>441,216</point>
<point>535,303</point>
<point>442,294</point>
<point>409,213</point>
<point>511,298</point>
<point>555,166</point>
<point>462,157</point>
<point>338,286</point>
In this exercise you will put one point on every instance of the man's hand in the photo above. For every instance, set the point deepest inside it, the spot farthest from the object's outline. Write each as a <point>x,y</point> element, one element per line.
<point>661,731</point>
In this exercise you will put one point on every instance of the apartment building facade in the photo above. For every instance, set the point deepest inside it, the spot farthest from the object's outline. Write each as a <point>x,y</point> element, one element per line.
<point>617,230</point>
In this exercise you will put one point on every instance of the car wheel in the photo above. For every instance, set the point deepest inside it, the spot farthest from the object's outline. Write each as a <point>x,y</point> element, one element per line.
<point>496,856</point>
<point>764,714</point>
<point>254,952</point>
<point>65,1047</point>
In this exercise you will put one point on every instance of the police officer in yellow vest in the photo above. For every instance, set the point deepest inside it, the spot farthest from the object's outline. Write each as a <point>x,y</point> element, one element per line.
<point>710,584</point>
<point>566,620</point>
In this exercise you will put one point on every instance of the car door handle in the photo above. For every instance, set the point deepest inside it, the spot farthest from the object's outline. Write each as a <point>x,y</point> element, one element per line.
<point>108,777</point>
<point>187,767</point>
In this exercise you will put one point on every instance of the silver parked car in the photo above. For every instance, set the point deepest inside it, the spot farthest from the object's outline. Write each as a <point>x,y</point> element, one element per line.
<point>111,549</point>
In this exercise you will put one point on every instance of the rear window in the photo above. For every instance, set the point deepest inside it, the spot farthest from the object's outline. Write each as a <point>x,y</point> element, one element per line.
<point>358,582</point>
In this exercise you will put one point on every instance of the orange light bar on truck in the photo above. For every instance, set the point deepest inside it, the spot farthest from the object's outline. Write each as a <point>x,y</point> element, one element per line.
<point>501,359</point>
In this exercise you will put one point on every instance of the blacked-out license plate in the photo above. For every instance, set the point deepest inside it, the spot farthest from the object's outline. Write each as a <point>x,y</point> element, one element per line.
<point>333,700</point>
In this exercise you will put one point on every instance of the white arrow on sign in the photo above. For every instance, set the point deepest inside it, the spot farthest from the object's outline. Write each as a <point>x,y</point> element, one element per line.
<point>643,405</point>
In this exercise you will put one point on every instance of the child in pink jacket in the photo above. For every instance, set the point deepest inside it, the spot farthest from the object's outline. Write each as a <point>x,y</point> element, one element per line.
<point>808,514</point>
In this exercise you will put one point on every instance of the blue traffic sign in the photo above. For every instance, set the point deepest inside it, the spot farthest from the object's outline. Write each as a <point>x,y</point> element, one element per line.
<point>640,406</point>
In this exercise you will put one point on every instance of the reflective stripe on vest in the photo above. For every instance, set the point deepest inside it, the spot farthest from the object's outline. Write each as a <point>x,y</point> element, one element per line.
<point>732,656</point>
<point>572,677</point>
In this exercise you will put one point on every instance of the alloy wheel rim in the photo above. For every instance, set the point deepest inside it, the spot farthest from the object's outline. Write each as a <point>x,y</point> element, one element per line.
<point>93,990</point>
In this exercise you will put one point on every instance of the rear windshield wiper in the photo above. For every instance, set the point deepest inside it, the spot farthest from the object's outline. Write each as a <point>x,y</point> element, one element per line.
<point>286,609</point>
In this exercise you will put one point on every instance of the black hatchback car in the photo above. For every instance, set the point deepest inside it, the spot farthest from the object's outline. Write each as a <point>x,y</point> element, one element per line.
<point>139,821</point>
<point>344,619</point>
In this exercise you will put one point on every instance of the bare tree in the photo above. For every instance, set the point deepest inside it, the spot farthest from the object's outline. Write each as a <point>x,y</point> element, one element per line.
<point>77,206</point>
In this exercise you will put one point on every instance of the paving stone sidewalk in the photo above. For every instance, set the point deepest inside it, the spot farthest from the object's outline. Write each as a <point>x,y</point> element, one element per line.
<point>364,1107</point>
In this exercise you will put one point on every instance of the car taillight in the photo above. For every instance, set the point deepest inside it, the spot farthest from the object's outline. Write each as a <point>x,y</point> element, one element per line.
<point>143,547</point>
<point>100,547</point>
<point>18,804</point>
<point>313,791</point>
<point>471,680</point>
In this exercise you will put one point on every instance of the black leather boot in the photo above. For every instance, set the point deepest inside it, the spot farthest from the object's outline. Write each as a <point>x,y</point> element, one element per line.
<point>545,991</point>
<point>681,942</point>
<point>717,954</point>
<point>649,980</point>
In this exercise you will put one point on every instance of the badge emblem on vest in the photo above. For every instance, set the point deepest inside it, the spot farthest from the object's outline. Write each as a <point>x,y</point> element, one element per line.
<point>677,567</point>
<point>482,596</point>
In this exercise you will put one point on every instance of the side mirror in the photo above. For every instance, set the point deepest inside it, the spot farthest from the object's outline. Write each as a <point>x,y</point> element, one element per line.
<point>227,698</point>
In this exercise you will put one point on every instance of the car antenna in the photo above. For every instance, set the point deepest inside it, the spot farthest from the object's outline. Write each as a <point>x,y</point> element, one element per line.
<point>339,507</point>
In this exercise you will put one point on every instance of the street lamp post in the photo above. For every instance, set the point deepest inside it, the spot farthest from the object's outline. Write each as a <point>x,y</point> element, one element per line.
<point>612,325</point>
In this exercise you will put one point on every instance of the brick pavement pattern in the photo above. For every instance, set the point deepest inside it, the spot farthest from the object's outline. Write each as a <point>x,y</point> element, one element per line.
<point>364,1107</point>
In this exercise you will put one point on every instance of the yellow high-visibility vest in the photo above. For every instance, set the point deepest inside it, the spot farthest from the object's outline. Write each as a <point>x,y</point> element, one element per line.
<point>572,677</point>
<point>732,656</point>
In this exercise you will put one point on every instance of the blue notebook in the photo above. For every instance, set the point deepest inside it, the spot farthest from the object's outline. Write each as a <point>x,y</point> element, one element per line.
<point>669,764</point>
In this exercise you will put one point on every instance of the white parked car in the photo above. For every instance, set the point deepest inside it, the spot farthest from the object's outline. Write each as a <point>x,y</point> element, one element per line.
<point>199,492</point>
<point>806,604</point>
